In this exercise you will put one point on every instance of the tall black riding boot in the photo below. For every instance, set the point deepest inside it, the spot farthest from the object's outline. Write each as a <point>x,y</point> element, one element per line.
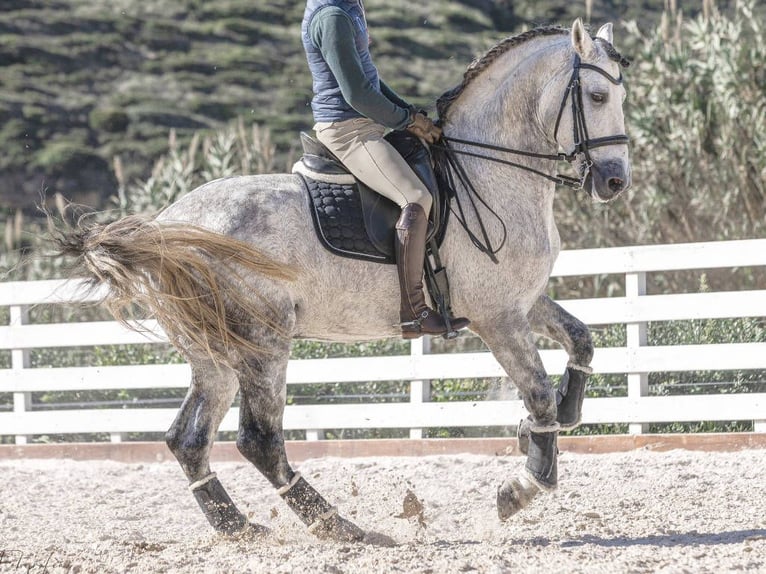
<point>416,317</point>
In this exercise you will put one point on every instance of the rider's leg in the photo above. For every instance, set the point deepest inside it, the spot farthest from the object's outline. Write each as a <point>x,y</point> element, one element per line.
<point>416,317</point>
<point>360,145</point>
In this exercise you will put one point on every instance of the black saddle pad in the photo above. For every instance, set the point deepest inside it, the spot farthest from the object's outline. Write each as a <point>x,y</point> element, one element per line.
<point>352,220</point>
<point>339,220</point>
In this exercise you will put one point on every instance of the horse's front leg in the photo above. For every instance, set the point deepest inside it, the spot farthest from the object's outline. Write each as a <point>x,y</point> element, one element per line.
<point>549,319</point>
<point>509,337</point>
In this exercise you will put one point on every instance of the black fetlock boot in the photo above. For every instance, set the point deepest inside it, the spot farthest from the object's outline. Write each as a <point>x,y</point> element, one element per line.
<point>570,396</point>
<point>219,509</point>
<point>416,317</point>
<point>323,520</point>
<point>542,464</point>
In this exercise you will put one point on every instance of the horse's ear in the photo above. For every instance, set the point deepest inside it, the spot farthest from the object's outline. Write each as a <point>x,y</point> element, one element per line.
<point>581,40</point>
<point>605,33</point>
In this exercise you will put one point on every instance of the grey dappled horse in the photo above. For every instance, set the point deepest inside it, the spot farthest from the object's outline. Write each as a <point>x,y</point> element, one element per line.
<point>233,271</point>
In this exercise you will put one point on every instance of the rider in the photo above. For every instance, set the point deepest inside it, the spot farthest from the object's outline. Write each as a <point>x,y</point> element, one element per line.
<point>353,108</point>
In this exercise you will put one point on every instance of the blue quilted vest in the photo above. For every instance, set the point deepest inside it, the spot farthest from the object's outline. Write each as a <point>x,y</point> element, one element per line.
<point>328,104</point>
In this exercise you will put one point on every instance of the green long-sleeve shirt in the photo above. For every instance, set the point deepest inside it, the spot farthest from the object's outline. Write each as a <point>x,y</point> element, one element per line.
<point>332,32</point>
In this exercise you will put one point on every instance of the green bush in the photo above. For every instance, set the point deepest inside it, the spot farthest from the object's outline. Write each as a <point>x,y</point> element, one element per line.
<point>61,156</point>
<point>109,120</point>
<point>13,141</point>
<point>238,149</point>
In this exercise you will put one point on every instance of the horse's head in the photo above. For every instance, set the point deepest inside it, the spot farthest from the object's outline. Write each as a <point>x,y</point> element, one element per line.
<point>591,124</point>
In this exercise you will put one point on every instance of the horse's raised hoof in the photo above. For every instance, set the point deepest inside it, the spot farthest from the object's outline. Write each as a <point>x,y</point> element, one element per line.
<point>337,528</point>
<point>514,495</point>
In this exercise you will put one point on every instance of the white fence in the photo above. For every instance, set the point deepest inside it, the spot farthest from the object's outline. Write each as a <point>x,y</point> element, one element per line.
<point>636,359</point>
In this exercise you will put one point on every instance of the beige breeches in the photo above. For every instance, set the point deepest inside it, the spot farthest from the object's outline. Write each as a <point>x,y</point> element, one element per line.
<point>359,144</point>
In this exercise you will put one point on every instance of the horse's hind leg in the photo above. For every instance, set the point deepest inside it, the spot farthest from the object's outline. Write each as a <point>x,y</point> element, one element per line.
<point>261,441</point>
<point>191,436</point>
<point>550,319</point>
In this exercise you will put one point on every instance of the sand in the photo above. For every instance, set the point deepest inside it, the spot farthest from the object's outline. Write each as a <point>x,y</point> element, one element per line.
<point>635,512</point>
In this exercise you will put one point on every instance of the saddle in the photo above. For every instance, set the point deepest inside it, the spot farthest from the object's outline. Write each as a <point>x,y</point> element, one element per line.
<point>352,220</point>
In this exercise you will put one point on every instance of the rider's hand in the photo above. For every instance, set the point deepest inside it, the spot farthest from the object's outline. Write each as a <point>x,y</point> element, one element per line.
<point>424,128</point>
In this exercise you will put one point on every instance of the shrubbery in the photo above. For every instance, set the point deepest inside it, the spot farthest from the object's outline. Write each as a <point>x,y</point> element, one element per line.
<point>109,120</point>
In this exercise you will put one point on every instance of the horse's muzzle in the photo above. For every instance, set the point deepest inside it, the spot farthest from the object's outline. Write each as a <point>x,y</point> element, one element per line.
<point>608,180</point>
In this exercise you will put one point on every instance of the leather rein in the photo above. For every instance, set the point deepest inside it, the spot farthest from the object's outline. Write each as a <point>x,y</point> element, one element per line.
<point>450,167</point>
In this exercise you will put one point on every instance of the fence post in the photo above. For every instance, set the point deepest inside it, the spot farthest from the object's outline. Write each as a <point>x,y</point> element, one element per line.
<point>638,383</point>
<point>314,434</point>
<point>22,402</point>
<point>420,391</point>
<point>759,426</point>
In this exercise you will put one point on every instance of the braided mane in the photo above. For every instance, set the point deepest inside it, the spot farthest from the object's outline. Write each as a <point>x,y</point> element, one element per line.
<point>480,64</point>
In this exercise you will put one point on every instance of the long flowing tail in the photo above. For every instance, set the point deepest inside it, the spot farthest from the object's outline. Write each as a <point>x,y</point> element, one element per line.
<point>189,278</point>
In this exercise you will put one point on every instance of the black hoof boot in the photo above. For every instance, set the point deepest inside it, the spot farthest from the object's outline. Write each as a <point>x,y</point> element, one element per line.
<point>542,463</point>
<point>219,509</point>
<point>570,396</point>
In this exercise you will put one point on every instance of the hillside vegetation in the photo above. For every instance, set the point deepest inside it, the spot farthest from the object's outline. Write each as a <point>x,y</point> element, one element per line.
<point>86,82</point>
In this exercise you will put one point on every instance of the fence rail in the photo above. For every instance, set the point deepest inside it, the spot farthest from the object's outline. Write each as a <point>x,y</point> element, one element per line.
<point>636,359</point>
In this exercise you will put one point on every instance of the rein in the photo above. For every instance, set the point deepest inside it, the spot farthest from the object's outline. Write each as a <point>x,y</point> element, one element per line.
<point>450,167</point>
<point>560,179</point>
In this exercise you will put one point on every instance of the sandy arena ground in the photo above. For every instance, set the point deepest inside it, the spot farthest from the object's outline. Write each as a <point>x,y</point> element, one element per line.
<point>643,511</point>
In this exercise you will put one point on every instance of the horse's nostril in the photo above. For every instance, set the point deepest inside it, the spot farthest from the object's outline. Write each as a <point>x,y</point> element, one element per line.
<point>616,185</point>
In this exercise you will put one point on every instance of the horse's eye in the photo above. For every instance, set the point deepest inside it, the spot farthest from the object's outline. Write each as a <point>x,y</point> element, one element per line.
<point>598,97</point>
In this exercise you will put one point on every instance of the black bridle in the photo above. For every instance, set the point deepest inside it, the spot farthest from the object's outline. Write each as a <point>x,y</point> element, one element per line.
<point>583,144</point>
<point>451,168</point>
